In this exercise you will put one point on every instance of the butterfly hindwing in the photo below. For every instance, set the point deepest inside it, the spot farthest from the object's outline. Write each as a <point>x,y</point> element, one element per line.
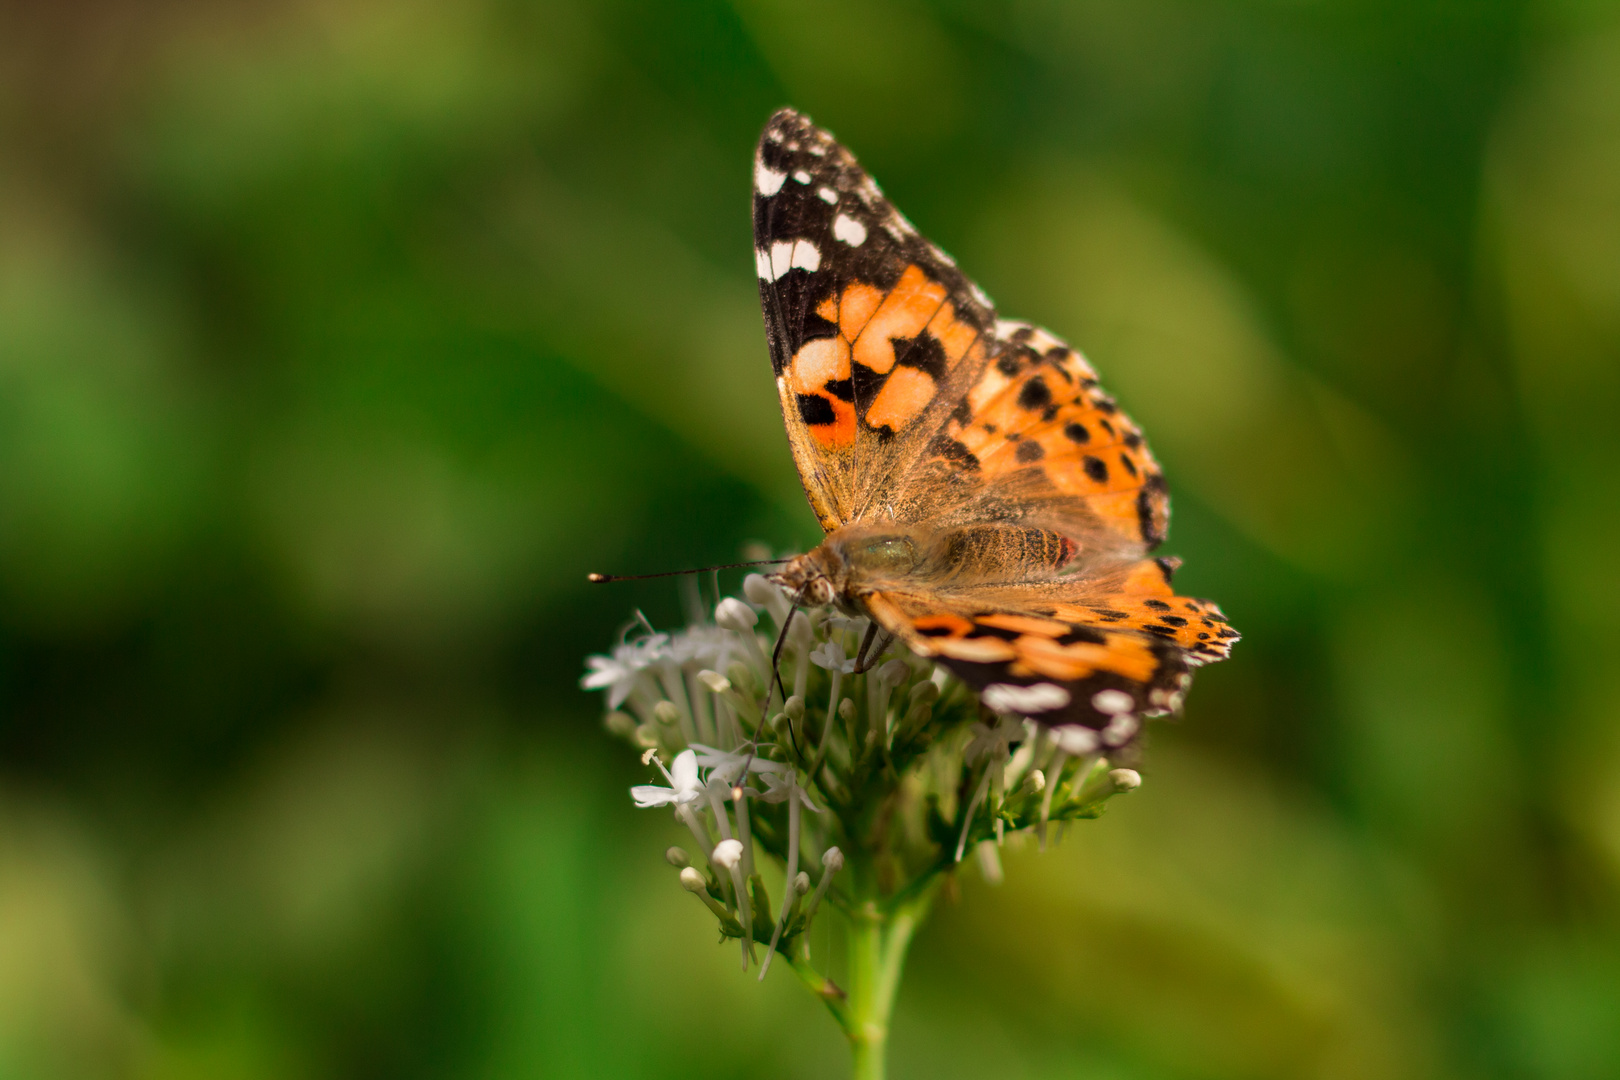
<point>1100,654</point>
<point>1037,428</point>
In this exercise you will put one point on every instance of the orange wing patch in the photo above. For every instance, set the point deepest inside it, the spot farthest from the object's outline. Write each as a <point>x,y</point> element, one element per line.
<point>816,382</point>
<point>885,363</point>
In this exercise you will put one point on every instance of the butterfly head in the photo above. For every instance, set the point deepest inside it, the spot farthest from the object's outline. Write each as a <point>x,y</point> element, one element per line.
<point>850,562</point>
<point>808,579</point>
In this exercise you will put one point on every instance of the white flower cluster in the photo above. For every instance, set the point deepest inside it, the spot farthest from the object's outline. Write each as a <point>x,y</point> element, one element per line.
<point>769,739</point>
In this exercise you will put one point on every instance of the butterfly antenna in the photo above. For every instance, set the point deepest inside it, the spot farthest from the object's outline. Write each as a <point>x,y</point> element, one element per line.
<point>597,579</point>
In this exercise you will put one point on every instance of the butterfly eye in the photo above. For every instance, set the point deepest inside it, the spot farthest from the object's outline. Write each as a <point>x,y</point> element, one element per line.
<point>885,553</point>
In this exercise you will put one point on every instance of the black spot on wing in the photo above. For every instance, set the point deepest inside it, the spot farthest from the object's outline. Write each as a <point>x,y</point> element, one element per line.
<point>815,409</point>
<point>1147,510</point>
<point>955,452</point>
<point>925,352</point>
<point>865,383</point>
<point>1035,394</point>
<point>1030,451</point>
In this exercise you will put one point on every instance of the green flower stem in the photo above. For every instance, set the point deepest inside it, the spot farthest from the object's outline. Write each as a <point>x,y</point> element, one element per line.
<point>879,936</point>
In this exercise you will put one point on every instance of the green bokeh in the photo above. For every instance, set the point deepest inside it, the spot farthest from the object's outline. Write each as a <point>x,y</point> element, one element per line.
<point>339,341</point>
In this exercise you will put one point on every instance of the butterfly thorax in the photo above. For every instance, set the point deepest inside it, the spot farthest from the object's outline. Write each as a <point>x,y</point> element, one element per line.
<point>859,559</point>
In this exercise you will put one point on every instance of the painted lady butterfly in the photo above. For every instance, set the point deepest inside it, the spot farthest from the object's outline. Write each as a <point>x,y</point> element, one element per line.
<point>984,501</point>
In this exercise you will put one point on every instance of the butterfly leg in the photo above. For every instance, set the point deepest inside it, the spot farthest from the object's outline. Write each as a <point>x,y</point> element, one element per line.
<point>776,670</point>
<point>867,655</point>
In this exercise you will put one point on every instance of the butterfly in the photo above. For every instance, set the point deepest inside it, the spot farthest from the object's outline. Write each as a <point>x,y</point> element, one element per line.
<point>984,500</point>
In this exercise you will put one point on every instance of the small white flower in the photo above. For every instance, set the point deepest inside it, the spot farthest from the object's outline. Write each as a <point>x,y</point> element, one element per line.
<point>726,767</point>
<point>830,656</point>
<point>783,786</point>
<point>683,784</point>
<point>704,646</point>
<point>617,674</point>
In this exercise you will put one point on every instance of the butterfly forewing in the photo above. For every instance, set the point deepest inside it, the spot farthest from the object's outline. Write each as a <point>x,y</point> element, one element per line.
<point>871,328</point>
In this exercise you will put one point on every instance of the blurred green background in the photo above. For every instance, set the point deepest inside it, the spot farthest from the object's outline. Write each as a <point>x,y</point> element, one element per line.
<point>340,339</point>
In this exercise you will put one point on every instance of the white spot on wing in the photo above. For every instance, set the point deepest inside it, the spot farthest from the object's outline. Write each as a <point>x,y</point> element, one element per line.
<point>1076,740</point>
<point>762,263</point>
<point>1042,697</point>
<point>767,181</point>
<point>1112,701</point>
<point>849,230</point>
<point>1120,729</point>
<point>802,177</point>
<point>788,255</point>
<point>828,195</point>
<point>806,256</point>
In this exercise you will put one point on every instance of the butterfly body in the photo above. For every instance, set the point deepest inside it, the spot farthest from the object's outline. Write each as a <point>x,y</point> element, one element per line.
<point>984,500</point>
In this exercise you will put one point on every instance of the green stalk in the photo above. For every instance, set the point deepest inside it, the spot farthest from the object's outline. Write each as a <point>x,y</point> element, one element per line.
<point>878,940</point>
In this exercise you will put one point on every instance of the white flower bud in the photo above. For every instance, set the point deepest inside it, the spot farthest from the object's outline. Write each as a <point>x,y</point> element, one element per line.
<point>733,614</point>
<point>677,857</point>
<point>692,881</point>
<point>1035,781</point>
<point>621,724</point>
<point>716,682</point>
<point>801,883</point>
<point>833,860</point>
<point>1125,779</point>
<point>665,712</point>
<point>727,854</point>
<point>894,672</point>
<point>794,708</point>
<point>759,591</point>
<point>846,709</point>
